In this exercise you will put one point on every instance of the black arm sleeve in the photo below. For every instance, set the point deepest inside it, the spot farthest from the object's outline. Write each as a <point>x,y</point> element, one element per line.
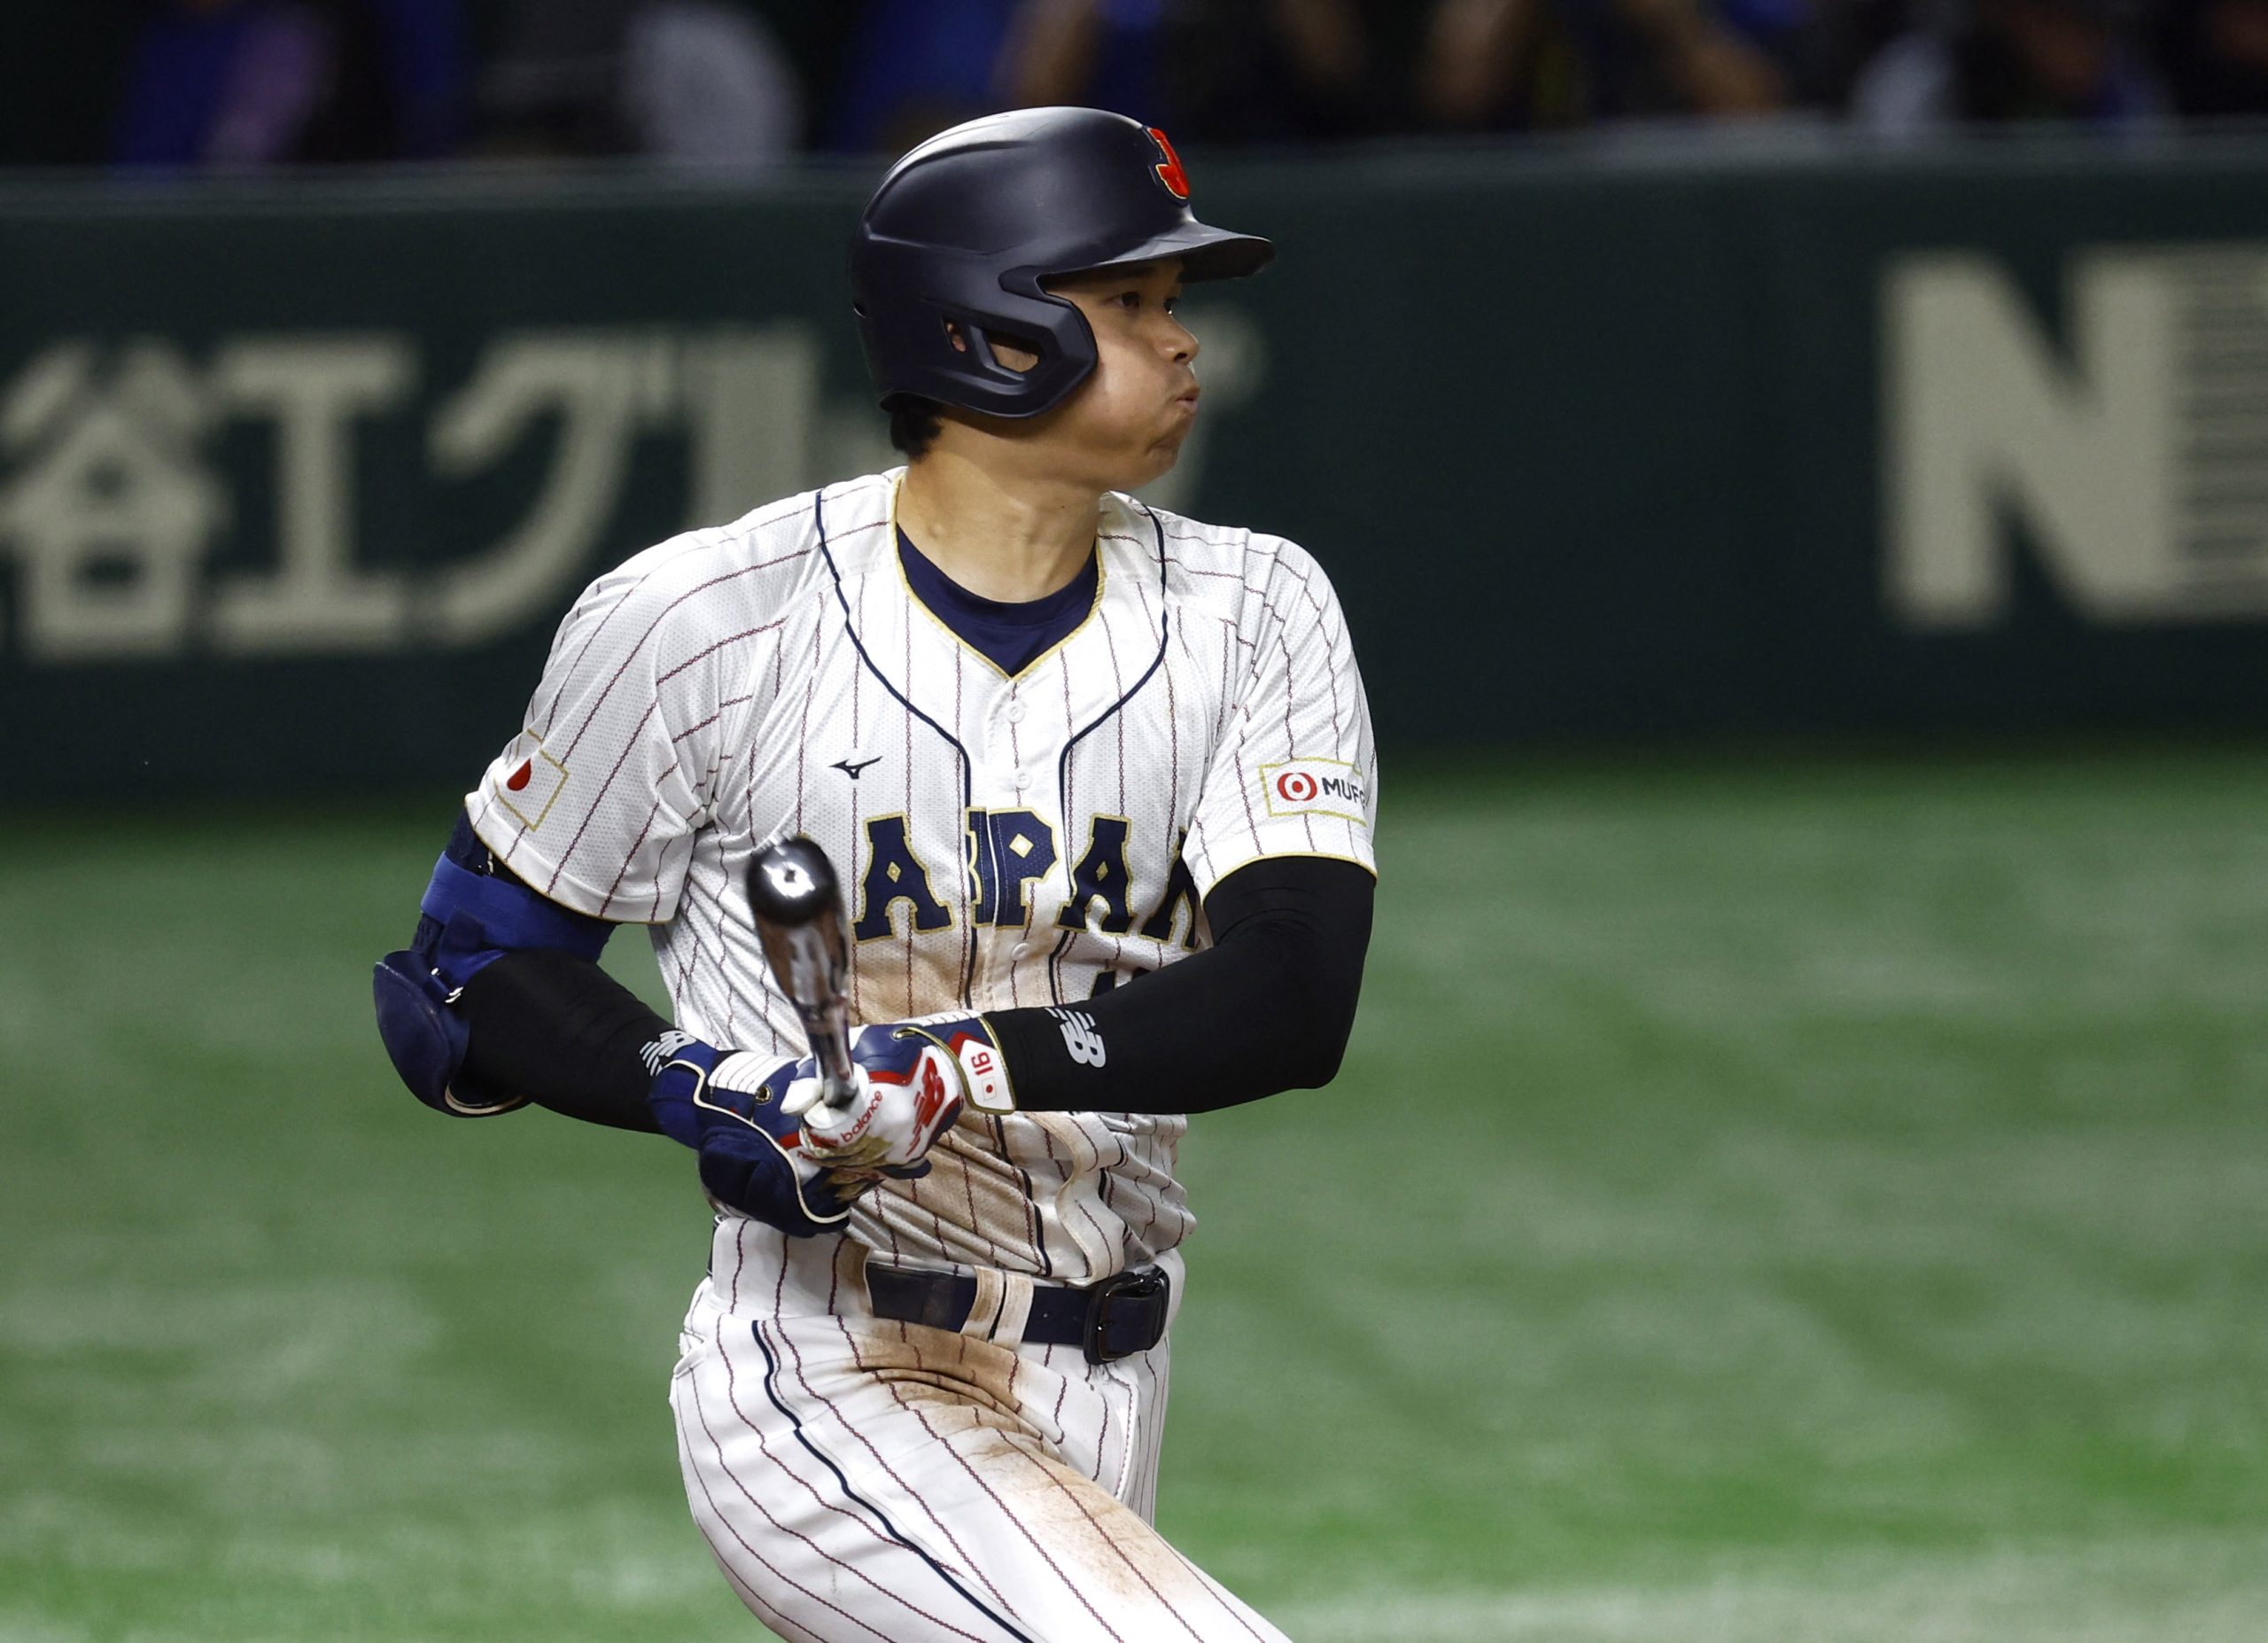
<point>1267,1008</point>
<point>563,1032</point>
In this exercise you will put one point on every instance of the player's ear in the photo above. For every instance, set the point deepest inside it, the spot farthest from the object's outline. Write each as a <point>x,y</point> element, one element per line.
<point>1015,352</point>
<point>1018,353</point>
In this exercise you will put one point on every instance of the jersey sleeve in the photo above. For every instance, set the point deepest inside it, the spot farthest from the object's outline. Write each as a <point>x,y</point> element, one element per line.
<point>595,802</point>
<point>1296,770</point>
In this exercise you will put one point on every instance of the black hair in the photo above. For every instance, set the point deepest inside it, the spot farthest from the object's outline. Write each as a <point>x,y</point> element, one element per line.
<point>914,423</point>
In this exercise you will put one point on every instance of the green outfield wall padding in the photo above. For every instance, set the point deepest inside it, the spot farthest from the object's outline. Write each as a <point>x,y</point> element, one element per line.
<point>295,482</point>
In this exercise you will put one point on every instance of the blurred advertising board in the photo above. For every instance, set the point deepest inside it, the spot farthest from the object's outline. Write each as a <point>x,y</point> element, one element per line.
<point>295,483</point>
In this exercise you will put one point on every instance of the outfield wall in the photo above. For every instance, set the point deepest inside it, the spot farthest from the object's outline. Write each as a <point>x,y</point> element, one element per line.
<point>294,485</point>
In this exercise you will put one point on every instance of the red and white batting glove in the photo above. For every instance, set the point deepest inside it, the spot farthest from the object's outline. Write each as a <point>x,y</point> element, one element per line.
<point>911,1080</point>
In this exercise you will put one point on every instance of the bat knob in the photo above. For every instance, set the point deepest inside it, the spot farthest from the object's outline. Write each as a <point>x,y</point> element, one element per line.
<point>791,882</point>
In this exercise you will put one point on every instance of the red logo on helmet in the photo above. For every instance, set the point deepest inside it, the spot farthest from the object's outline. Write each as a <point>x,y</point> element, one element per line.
<point>1170,173</point>
<point>1296,785</point>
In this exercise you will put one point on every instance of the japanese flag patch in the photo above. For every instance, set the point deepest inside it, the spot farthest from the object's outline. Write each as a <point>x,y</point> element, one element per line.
<point>527,780</point>
<point>1315,787</point>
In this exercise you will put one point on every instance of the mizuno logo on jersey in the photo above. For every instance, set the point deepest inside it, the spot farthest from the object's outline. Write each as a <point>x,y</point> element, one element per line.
<point>657,1053</point>
<point>1081,1036</point>
<point>851,767</point>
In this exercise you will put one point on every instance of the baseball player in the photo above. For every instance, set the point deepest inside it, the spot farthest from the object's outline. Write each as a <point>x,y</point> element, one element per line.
<point>1099,784</point>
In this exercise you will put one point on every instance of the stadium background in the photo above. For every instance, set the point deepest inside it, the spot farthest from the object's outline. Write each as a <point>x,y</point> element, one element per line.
<point>1799,1170</point>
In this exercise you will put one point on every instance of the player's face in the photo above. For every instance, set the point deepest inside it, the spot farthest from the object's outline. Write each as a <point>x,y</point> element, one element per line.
<point>1129,419</point>
<point>1125,425</point>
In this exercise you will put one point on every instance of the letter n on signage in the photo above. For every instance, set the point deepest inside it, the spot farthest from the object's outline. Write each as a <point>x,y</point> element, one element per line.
<point>1985,423</point>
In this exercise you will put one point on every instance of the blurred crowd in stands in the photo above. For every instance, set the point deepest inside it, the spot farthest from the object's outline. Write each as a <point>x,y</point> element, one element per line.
<point>738,85</point>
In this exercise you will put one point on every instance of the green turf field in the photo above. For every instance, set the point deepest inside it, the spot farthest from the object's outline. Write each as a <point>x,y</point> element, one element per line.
<point>1779,1201</point>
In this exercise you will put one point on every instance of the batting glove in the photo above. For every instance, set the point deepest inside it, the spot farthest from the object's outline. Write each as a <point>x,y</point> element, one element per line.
<point>910,1080</point>
<point>725,1105</point>
<point>771,1149</point>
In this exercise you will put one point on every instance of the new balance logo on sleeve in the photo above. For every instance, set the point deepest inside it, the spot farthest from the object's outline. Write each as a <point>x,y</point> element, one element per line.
<point>1081,1036</point>
<point>656,1054</point>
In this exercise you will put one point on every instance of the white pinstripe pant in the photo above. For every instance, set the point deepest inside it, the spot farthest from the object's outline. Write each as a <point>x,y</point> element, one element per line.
<point>861,1479</point>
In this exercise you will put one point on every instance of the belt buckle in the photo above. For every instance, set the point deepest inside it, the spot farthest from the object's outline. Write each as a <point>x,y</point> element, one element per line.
<point>1146,1289</point>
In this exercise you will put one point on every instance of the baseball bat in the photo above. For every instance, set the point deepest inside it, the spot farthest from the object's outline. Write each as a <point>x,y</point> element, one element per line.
<point>791,887</point>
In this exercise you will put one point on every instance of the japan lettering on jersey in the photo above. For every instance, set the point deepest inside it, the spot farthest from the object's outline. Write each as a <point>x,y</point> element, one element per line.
<point>1002,842</point>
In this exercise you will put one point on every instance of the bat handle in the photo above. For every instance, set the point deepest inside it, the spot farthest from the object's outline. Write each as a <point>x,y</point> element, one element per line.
<point>799,923</point>
<point>830,1039</point>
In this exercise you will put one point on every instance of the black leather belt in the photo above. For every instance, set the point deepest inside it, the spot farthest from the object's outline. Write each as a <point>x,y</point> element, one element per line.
<point>1121,1315</point>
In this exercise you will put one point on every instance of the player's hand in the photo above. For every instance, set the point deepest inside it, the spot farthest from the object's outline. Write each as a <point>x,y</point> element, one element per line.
<point>751,1099</point>
<point>724,1105</point>
<point>766,1152</point>
<point>909,1082</point>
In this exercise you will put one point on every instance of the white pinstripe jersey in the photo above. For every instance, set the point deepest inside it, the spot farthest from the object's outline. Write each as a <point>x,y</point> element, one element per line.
<point>1001,841</point>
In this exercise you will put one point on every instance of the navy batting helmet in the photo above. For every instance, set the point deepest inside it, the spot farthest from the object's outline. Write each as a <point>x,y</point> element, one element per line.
<point>966,227</point>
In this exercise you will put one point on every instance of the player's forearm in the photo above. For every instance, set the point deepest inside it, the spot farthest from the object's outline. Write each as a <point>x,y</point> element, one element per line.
<point>561,1031</point>
<point>1268,1007</point>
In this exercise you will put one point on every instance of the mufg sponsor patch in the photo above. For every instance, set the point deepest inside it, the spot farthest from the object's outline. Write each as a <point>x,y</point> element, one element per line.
<point>528,779</point>
<point>1315,787</point>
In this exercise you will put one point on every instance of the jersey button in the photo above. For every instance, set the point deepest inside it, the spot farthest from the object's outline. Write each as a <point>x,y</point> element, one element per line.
<point>1015,713</point>
<point>1023,780</point>
<point>1022,948</point>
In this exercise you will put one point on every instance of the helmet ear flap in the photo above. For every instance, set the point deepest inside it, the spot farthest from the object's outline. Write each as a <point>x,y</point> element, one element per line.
<point>985,341</point>
<point>1049,339</point>
<point>1063,340</point>
<point>948,352</point>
